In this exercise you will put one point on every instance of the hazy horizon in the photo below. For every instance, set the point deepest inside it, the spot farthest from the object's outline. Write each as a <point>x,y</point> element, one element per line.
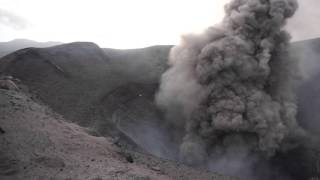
<point>127,24</point>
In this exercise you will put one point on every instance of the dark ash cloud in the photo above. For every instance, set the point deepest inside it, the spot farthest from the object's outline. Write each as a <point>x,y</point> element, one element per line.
<point>231,88</point>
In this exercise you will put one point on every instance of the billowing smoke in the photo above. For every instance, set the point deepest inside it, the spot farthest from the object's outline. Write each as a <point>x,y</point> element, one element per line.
<point>231,88</point>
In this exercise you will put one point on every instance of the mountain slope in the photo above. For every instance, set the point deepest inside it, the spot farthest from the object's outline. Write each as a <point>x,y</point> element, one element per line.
<point>88,86</point>
<point>14,45</point>
<point>36,143</point>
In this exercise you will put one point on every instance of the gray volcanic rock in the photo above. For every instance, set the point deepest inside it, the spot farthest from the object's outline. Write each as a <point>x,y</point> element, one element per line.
<point>62,76</point>
<point>40,144</point>
<point>90,86</point>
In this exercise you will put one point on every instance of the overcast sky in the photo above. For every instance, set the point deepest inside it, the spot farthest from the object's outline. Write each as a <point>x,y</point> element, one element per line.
<point>127,23</point>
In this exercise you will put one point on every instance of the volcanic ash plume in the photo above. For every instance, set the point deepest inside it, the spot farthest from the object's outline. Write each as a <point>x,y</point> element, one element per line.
<point>232,85</point>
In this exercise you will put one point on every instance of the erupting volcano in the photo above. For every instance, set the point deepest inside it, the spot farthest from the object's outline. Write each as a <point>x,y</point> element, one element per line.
<point>232,86</point>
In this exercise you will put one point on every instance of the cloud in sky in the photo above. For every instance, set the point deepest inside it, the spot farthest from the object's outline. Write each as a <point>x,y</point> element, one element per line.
<point>126,23</point>
<point>114,23</point>
<point>12,20</point>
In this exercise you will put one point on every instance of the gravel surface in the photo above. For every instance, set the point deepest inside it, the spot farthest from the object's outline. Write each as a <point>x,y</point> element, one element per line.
<point>36,143</point>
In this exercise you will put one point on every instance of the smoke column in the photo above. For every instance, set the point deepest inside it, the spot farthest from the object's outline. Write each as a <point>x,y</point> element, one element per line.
<point>231,88</point>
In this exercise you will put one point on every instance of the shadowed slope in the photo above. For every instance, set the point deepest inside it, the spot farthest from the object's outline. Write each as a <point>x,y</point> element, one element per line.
<point>11,46</point>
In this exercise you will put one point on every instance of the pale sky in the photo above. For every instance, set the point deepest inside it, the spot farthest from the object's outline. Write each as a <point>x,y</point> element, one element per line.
<point>127,23</point>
